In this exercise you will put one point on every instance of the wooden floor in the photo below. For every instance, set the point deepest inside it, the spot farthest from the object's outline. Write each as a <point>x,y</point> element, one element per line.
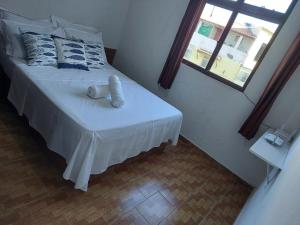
<point>181,185</point>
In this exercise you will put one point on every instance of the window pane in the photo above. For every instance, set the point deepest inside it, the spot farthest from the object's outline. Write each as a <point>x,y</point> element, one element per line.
<point>206,35</point>
<point>277,5</point>
<point>242,48</point>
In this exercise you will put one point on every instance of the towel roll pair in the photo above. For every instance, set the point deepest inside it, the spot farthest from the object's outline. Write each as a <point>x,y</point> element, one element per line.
<point>116,92</point>
<point>114,88</point>
<point>98,91</point>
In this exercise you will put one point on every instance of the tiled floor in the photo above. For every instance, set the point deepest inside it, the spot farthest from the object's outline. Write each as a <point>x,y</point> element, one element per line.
<point>180,185</point>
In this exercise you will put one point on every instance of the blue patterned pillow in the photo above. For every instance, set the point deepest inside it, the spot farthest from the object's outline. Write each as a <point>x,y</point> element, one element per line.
<point>95,55</point>
<point>40,49</point>
<point>71,54</point>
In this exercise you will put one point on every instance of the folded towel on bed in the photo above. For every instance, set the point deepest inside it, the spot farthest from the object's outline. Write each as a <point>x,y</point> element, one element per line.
<point>116,92</point>
<point>98,91</point>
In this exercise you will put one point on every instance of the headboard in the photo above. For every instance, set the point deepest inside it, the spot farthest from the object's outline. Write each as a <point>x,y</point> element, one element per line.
<point>110,54</point>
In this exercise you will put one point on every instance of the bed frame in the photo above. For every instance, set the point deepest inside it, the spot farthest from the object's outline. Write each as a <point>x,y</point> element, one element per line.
<point>54,157</point>
<point>4,85</point>
<point>110,55</point>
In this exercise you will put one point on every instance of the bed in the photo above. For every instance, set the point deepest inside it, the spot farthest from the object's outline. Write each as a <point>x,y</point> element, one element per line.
<point>89,134</point>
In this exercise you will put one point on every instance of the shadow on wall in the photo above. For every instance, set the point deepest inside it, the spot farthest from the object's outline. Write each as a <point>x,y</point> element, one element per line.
<point>213,112</point>
<point>106,15</point>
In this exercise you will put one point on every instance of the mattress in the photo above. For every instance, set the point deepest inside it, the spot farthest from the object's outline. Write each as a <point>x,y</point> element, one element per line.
<point>90,134</point>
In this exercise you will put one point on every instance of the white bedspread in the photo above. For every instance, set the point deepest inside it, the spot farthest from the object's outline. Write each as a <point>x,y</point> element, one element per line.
<point>90,134</point>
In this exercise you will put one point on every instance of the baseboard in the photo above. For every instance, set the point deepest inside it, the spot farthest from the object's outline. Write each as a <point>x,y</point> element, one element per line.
<point>4,85</point>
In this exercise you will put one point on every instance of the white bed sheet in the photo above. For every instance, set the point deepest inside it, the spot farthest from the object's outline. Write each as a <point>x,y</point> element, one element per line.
<point>90,134</point>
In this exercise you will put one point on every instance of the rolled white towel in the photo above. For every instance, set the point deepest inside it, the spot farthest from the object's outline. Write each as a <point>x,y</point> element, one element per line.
<point>116,92</point>
<point>98,91</point>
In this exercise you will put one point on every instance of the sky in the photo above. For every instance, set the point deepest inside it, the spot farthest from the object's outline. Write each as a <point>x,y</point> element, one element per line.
<point>221,16</point>
<point>278,5</point>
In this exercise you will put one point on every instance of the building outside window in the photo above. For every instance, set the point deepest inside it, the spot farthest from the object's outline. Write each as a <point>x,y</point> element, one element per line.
<point>234,58</point>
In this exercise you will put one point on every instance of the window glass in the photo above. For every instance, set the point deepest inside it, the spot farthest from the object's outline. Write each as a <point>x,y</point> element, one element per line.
<point>277,5</point>
<point>242,48</point>
<point>210,28</point>
<point>234,58</point>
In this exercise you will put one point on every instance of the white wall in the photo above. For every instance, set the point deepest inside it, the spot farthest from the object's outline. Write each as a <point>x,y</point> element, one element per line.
<point>287,107</point>
<point>107,15</point>
<point>276,203</point>
<point>213,112</point>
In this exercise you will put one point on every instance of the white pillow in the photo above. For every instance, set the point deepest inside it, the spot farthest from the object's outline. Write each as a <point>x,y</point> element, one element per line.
<point>76,34</point>
<point>9,15</point>
<point>70,54</point>
<point>61,22</point>
<point>90,38</point>
<point>12,30</point>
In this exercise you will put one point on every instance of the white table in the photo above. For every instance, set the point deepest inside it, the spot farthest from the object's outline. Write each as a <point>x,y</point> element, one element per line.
<point>274,156</point>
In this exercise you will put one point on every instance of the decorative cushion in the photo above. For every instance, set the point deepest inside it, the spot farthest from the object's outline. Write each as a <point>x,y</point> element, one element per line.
<point>40,49</point>
<point>94,48</point>
<point>94,55</point>
<point>71,54</point>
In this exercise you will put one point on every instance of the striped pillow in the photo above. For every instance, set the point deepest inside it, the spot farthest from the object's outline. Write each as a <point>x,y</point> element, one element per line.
<point>40,49</point>
<point>71,54</point>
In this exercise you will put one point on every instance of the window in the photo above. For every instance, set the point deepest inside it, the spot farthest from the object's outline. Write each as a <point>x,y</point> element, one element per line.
<point>260,51</point>
<point>232,37</point>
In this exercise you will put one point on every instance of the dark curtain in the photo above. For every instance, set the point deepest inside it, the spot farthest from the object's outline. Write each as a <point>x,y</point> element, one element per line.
<point>183,37</point>
<point>281,76</point>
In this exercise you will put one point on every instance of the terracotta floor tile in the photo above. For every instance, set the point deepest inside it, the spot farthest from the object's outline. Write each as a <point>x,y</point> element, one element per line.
<point>125,197</point>
<point>131,218</point>
<point>155,209</point>
<point>226,210</point>
<point>182,216</point>
<point>178,186</point>
<point>149,184</point>
<point>217,189</point>
<point>176,196</point>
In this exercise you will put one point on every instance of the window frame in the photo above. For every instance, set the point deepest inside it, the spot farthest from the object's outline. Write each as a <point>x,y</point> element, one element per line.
<point>237,7</point>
